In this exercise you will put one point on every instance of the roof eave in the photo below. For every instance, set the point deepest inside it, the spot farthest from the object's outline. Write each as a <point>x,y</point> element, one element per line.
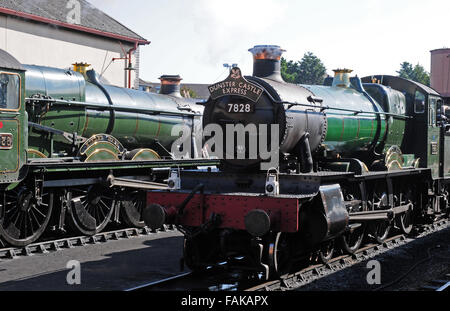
<point>73,26</point>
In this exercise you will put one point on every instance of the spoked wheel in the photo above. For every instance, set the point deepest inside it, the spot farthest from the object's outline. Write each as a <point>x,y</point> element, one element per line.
<point>132,208</point>
<point>91,209</point>
<point>22,218</point>
<point>405,220</point>
<point>380,230</point>
<point>279,254</point>
<point>351,240</point>
<point>326,252</point>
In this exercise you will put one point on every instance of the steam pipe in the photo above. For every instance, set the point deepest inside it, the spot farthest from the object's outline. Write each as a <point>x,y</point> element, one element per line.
<point>129,62</point>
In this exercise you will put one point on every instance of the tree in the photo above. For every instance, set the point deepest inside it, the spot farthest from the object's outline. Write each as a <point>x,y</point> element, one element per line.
<point>187,92</point>
<point>416,73</point>
<point>309,70</point>
<point>289,70</point>
<point>312,70</point>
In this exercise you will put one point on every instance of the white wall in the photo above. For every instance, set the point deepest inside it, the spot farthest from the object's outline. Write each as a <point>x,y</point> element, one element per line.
<point>46,45</point>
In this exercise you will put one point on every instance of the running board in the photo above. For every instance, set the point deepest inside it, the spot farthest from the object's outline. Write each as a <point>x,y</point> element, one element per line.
<point>137,184</point>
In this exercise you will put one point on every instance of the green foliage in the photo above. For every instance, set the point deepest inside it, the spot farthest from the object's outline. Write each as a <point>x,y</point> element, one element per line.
<point>416,73</point>
<point>185,90</point>
<point>289,70</point>
<point>309,70</point>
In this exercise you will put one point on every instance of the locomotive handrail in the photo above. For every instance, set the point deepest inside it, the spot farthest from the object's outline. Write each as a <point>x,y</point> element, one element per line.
<point>322,108</point>
<point>355,112</point>
<point>107,108</point>
<point>71,138</point>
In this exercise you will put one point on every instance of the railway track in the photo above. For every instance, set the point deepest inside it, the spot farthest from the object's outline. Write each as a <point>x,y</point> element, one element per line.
<point>441,285</point>
<point>312,273</point>
<point>213,279</point>
<point>54,245</point>
<point>445,287</point>
<point>219,279</point>
<point>438,285</point>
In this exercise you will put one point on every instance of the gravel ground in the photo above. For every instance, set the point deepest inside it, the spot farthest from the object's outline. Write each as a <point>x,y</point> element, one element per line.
<point>393,265</point>
<point>115,265</point>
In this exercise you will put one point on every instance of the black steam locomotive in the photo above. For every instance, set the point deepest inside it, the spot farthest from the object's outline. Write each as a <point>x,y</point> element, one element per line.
<point>308,169</point>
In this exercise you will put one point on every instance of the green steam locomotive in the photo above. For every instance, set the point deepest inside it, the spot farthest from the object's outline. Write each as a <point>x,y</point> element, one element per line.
<point>69,144</point>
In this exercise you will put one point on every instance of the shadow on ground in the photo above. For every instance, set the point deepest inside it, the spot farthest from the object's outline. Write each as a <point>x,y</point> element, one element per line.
<point>120,270</point>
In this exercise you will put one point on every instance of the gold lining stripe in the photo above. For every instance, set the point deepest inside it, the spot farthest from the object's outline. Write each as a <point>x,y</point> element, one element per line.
<point>101,150</point>
<point>97,143</point>
<point>149,150</point>
<point>36,152</point>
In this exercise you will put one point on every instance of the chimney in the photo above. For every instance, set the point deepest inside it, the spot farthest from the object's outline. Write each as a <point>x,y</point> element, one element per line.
<point>170,85</point>
<point>342,78</point>
<point>266,61</point>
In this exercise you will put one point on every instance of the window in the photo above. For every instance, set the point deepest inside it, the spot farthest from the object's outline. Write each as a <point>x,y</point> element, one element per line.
<point>9,91</point>
<point>419,102</point>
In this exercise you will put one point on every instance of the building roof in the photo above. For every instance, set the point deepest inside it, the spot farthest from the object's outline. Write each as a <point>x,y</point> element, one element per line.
<point>8,61</point>
<point>200,89</point>
<point>402,82</point>
<point>92,20</point>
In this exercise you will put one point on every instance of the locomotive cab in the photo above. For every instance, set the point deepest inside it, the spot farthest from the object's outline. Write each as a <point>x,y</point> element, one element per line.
<point>422,111</point>
<point>12,120</point>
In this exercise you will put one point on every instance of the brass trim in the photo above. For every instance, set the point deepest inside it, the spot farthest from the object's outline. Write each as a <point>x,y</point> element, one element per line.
<point>150,150</point>
<point>391,164</point>
<point>12,141</point>
<point>97,143</point>
<point>116,147</point>
<point>101,150</point>
<point>37,153</point>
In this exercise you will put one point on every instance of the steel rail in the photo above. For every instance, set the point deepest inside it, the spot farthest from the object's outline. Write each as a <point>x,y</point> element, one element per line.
<point>147,286</point>
<point>444,287</point>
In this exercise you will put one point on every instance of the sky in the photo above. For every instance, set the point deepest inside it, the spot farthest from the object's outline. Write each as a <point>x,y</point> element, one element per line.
<point>195,38</point>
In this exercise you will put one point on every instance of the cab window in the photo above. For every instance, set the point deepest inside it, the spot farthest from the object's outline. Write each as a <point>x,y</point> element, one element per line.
<point>419,102</point>
<point>9,91</point>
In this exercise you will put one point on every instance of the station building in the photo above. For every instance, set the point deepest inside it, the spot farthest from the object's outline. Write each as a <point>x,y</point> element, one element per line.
<point>61,33</point>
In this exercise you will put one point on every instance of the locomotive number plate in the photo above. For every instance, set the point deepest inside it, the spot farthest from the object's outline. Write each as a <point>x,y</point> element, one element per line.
<point>6,141</point>
<point>241,108</point>
<point>434,148</point>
